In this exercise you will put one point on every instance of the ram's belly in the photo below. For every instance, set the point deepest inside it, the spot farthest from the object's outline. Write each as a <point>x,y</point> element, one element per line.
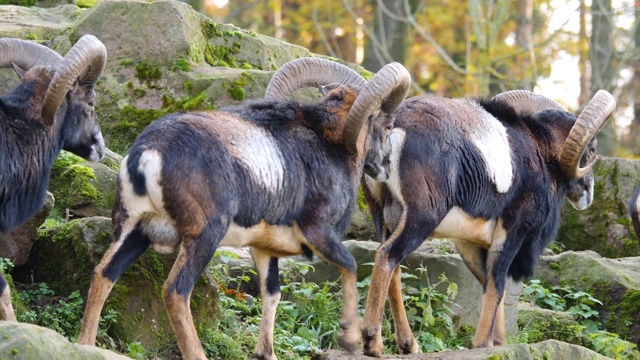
<point>460,225</point>
<point>276,240</point>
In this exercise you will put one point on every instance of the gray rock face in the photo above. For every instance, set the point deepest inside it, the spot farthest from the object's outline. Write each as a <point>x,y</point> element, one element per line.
<point>26,341</point>
<point>16,245</point>
<point>550,349</point>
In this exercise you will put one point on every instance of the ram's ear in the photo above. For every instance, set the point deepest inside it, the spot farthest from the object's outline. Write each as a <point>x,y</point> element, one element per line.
<point>18,70</point>
<point>324,89</point>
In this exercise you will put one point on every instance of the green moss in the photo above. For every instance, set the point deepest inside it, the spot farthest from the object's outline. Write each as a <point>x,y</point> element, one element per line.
<point>362,201</point>
<point>367,75</point>
<point>147,74</point>
<point>555,266</point>
<point>86,3</point>
<point>121,127</point>
<point>495,357</point>
<point>74,184</point>
<point>138,93</point>
<point>32,36</point>
<point>182,65</point>
<point>222,55</point>
<point>236,89</point>
<point>187,86</point>
<point>126,62</point>
<point>210,29</point>
<point>547,355</point>
<point>195,53</point>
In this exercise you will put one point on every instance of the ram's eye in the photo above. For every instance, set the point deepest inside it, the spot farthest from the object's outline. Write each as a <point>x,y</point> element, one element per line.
<point>387,130</point>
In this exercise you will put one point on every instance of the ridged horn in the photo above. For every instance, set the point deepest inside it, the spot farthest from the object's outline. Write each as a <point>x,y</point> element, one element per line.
<point>527,103</point>
<point>26,54</point>
<point>309,72</point>
<point>590,121</point>
<point>85,61</point>
<point>387,88</point>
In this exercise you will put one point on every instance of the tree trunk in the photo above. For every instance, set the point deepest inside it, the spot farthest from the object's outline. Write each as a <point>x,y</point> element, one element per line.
<point>390,37</point>
<point>523,37</point>
<point>583,57</point>
<point>602,74</point>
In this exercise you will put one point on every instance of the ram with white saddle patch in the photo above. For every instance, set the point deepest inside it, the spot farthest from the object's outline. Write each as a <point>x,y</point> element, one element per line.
<point>492,175</point>
<point>275,175</point>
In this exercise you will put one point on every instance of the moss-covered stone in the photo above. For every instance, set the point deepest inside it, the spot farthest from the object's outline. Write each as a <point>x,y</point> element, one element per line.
<point>538,324</point>
<point>66,255</point>
<point>82,188</point>
<point>604,227</point>
<point>615,282</point>
<point>27,341</point>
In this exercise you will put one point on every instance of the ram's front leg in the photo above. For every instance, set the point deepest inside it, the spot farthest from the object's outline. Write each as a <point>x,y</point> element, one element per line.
<point>268,274</point>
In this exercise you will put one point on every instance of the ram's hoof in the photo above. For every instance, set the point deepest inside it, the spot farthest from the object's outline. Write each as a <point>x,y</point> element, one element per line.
<point>372,341</point>
<point>408,346</point>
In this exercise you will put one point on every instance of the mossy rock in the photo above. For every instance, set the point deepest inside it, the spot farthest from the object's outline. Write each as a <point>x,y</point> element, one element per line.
<point>82,188</point>
<point>37,23</point>
<point>27,341</point>
<point>543,324</point>
<point>164,57</point>
<point>615,282</point>
<point>65,256</point>
<point>604,227</point>
<point>545,350</point>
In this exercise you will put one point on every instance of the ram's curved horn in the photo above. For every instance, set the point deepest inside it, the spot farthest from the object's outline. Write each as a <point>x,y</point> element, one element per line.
<point>386,89</point>
<point>526,103</point>
<point>309,72</point>
<point>26,54</point>
<point>590,121</point>
<point>84,62</point>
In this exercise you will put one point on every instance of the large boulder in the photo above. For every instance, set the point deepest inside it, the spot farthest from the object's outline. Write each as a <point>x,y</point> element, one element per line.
<point>550,349</point>
<point>82,188</point>
<point>605,226</point>
<point>26,341</point>
<point>615,282</point>
<point>66,255</point>
<point>162,57</point>
<point>16,245</point>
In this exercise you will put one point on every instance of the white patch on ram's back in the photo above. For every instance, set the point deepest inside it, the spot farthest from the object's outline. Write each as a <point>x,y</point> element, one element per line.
<point>258,151</point>
<point>490,137</point>
<point>149,208</point>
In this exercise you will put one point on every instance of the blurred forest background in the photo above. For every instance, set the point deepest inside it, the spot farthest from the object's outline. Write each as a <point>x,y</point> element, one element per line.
<point>565,50</point>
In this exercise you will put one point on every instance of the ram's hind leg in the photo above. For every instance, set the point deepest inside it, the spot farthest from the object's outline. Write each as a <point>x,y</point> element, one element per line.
<point>405,341</point>
<point>327,243</point>
<point>268,274</point>
<point>193,257</point>
<point>130,243</point>
<point>6,309</point>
